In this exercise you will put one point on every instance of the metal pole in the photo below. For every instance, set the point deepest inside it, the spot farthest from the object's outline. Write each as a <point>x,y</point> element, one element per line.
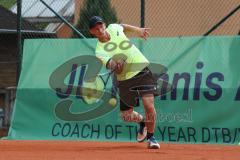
<point>19,38</point>
<point>64,20</point>
<point>142,25</point>
<point>142,21</point>
<point>221,21</point>
<point>142,13</point>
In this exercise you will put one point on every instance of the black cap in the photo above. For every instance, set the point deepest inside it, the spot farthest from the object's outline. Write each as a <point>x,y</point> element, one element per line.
<point>94,20</point>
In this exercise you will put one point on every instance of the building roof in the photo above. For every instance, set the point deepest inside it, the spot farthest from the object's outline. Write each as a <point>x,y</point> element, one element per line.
<point>8,25</point>
<point>36,11</point>
<point>8,21</point>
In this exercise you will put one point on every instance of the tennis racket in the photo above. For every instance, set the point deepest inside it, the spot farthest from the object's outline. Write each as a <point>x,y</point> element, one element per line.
<point>93,91</point>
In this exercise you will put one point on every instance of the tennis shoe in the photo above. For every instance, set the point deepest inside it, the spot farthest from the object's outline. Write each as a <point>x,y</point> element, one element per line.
<point>142,132</point>
<point>152,143</point>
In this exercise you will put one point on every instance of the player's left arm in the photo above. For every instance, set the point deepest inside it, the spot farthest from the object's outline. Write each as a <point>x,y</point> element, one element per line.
<point>140,32</point>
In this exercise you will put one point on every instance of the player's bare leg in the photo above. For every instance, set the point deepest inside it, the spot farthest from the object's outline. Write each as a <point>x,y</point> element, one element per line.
<point>150,112</point>
<point>133,116</point>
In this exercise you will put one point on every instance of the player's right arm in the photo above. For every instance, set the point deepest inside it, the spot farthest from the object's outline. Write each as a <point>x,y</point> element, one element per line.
<point>116,66</point>
<point>109,63</point>
<point>140,32</point>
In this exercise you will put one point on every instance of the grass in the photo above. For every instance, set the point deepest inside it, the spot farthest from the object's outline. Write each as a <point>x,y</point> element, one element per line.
<point>7,3</point>
<point>41,25</point>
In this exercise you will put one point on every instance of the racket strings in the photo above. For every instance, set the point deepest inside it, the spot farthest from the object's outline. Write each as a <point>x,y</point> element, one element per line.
<point>93,92</point>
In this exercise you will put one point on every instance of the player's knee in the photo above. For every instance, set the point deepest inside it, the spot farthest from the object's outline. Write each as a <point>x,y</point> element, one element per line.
<point>148,100</point>
<point>149,106</point>
<point>131,116</point>
<point>127,115</point>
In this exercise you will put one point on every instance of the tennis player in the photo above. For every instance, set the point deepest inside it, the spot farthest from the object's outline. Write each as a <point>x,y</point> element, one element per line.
<point>118,54</point>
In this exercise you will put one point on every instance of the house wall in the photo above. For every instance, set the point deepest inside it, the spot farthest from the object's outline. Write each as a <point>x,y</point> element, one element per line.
<point>64,31</point>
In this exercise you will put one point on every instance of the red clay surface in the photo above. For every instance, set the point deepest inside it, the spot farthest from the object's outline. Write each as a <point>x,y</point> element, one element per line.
<point>76,150</point>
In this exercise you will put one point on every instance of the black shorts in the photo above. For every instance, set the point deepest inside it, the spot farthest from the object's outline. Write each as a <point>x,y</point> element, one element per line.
<point>131,89</point>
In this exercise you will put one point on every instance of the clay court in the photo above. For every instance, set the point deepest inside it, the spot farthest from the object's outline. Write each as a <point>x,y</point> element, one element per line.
<point>63,150</point>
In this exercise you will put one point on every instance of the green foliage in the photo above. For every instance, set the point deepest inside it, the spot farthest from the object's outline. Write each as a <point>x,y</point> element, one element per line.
<point>7,3</point>
<point>91,8</point>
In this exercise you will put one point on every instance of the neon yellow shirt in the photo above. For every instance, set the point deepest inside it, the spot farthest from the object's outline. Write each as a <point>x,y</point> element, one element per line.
<point>120,46</point>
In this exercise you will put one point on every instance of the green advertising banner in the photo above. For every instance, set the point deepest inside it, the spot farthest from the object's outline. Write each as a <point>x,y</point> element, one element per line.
<point>202,107</point>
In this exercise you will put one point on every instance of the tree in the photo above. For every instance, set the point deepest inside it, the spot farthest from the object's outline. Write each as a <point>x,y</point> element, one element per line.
<point>91,8</point>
